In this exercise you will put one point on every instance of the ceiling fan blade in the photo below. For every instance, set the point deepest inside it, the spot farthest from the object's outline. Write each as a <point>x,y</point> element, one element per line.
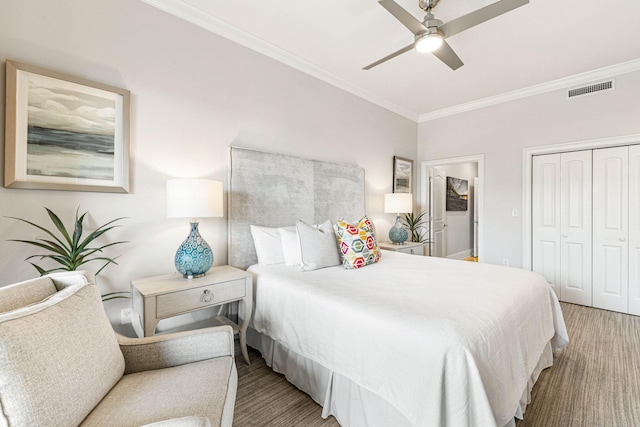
<point>479,16</point>
<point>388,57</point>
<point>445,54</point>
<point>407,19</point>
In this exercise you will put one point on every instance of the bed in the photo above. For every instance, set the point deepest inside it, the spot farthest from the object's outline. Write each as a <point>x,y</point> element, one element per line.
<point>406,341</point>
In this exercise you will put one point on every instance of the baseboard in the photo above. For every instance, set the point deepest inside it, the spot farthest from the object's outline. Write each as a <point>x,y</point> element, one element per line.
<point>461,255</point>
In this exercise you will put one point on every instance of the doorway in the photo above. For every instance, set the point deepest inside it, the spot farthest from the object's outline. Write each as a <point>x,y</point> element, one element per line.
<point>456,233</point>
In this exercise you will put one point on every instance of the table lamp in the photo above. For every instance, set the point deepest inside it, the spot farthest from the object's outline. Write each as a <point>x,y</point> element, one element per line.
<point>398,203</point>
<point>194,198</point>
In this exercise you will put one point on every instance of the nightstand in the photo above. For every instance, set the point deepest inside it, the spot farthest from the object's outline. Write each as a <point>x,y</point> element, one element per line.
<point>407,248</point>
<point>160,297</point>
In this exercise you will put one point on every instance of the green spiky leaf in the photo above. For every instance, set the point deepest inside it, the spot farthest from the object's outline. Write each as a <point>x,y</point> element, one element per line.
<point>416,225</point>
<point>115,295</point>
<point>70,251</point>
<point>59,225</point>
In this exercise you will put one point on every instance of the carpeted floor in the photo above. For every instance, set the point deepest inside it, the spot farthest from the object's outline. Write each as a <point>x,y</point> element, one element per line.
<point>267,399</point>
<point>594,382</point>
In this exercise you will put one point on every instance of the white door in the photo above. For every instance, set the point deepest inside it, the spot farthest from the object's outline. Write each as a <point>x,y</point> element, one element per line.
<point>562,223</point>
<point>634,230</point>
<point>546,218</point>
<point>575,227</point>
<point>438,192</point>
<point>611,228</point>
<point>475,217</point>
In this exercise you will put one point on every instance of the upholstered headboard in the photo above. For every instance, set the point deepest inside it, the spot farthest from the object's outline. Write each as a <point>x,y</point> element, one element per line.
<point>276,190</point>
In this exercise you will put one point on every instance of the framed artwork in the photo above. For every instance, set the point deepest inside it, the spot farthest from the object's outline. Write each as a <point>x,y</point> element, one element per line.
<point>64,132</point>
<point>457,194</point>
<point>402,175</point>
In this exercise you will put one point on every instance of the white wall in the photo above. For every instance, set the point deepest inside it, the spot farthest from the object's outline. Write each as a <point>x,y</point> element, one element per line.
<point>193,95</point>
<point>460,223</point>
<point>502,131</point>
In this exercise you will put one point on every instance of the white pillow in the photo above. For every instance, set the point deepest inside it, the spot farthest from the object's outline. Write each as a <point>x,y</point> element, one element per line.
<point>268,245</point>
<point>318,247</point>
<point>290,246</point>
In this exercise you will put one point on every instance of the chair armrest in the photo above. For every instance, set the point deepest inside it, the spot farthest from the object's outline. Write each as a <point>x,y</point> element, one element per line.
<point>164,351</point>
<point>192,421</point>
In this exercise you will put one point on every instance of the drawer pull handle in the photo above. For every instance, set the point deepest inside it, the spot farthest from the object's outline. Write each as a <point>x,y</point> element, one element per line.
<point>207,296</point>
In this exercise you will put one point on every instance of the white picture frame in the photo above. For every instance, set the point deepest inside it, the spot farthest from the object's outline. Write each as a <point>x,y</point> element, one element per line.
<point>64,132</point>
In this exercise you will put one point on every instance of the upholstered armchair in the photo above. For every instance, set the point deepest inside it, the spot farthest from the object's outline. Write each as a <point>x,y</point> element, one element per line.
<point>61,364</point>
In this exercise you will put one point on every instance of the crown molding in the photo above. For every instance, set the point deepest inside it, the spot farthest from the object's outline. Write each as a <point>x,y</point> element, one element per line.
<point>563,83</point>
<point>217,26</point>
<point>228,31</point>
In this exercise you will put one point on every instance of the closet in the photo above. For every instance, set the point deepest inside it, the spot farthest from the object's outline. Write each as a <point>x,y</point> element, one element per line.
<point>586,226</point>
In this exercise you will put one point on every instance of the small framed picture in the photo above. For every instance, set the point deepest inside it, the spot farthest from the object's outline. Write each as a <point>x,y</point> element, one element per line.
<point>64,132</point>
<point>457,194</point>
<point>402,175</point>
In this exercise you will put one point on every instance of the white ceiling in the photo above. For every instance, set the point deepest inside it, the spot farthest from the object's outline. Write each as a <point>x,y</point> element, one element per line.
<point>543,45</point>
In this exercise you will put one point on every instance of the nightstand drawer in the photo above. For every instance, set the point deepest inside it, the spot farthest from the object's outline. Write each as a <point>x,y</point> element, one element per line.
<point>415,250</point>
<point>194,299</point>
<point>411,248</point>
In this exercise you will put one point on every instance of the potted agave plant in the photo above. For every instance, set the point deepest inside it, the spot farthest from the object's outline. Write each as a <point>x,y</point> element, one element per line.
<point>415,225</point>
<point>72,250</point>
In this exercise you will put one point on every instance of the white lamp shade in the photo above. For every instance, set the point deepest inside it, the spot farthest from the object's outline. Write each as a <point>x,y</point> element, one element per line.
<point>398,203</point>
<point>194,198</point>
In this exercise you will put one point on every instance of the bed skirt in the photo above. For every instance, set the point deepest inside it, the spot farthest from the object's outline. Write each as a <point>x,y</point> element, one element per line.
<point>350,404</point>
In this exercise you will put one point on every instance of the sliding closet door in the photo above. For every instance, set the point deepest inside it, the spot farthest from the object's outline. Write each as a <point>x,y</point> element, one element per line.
<point>575,227</point>
<point>634,230</point>
<point>546,218</point>
<point>611,228</point>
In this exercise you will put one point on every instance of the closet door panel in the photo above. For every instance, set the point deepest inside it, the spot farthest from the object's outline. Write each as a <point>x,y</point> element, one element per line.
<point>634,230</point>
<point>611,228</point>
<point>575,227</point>
<point>546,218</point>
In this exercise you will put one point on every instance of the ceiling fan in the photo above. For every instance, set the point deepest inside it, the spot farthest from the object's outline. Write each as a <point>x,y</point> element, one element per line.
<point>430,34</point>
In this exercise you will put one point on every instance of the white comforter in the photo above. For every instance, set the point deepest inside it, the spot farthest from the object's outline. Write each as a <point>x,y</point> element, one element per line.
<point>448,343</point>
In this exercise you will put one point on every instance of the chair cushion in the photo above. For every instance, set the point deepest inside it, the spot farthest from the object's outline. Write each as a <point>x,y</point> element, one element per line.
<point>34,291</point>
<point>25,293</point>
<point>192,421</point>
<point>201,389</point>
<point>58,358</point>
<point>63,279</point>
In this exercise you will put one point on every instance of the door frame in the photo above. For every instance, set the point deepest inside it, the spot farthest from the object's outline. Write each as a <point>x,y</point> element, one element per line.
<point>527,170</point>
<point>478,192</point>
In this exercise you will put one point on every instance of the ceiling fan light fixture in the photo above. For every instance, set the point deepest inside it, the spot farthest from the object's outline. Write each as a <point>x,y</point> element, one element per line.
<point>429,42</point>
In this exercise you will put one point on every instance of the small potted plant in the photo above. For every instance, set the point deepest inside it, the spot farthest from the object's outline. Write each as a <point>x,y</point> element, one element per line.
<point>416,226</point>
<point>72,250</point>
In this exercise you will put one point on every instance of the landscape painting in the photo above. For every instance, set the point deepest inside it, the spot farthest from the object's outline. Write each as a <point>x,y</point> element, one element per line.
<point>457,194</point>
<point>402,175</point>
<point>69,135</point>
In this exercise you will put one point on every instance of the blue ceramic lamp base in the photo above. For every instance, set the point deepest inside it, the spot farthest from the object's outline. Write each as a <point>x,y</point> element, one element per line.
<point>398,234</point>
<point>194,257</point>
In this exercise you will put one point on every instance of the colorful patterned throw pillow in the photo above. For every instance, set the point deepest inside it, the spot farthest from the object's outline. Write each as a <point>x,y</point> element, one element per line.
<point>357,243</point>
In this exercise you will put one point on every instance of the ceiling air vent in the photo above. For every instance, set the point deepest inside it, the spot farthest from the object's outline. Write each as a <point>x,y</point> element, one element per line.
<point>591,89</point>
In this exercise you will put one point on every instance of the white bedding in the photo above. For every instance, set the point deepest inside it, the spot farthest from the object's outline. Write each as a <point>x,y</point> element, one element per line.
<point>445,342</point>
